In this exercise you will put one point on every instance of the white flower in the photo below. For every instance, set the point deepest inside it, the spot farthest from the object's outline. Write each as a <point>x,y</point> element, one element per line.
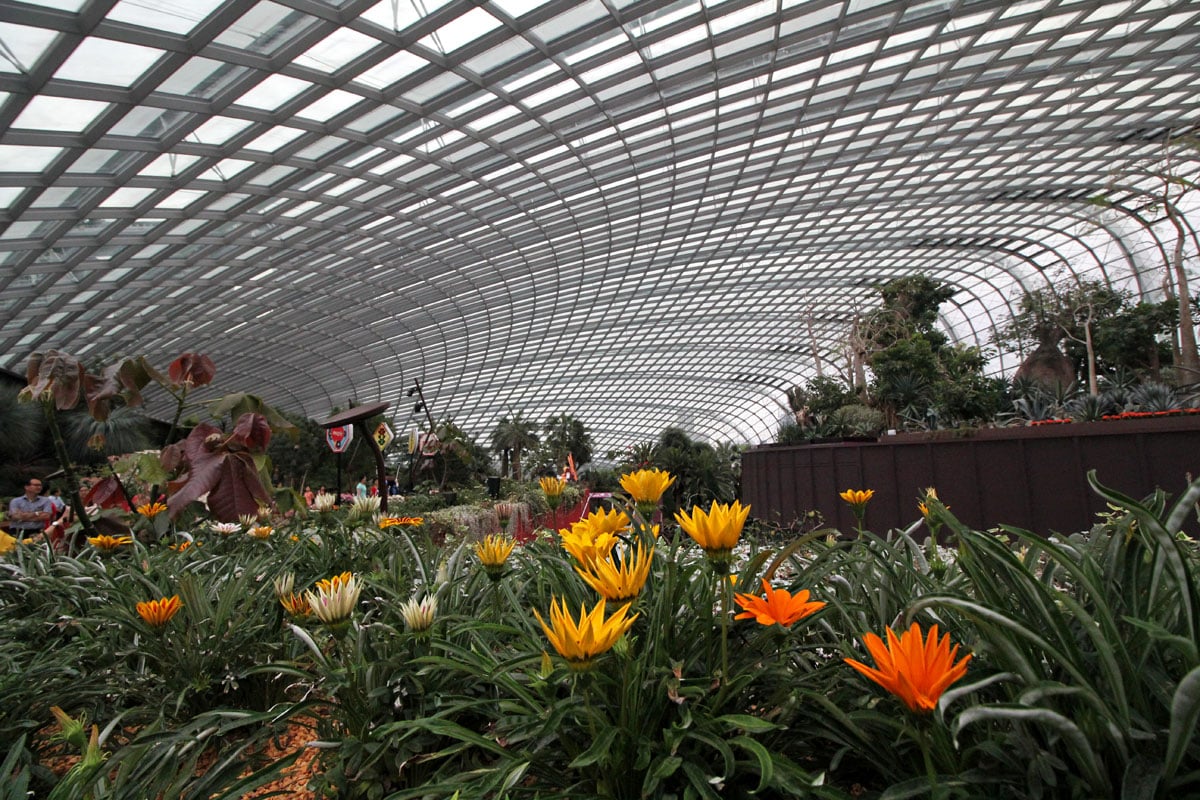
<point>364,508</point>
<point>225,528</point>
<point>284,584</point>
<point>335,598</point>
<point>324,501</point>
<point>419,616</point>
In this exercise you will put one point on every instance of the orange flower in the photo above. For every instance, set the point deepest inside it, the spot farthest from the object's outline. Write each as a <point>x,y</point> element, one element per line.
<point>391,522</point>
<point>158,613</point>
<point>151,510</point>
<point>778,607</point>
<point>857,498</point>
<point>916,670</point>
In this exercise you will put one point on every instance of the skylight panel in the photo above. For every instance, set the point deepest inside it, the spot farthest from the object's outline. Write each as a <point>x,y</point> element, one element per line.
<point>163,15</point>
<point>107,62</point>
<point>332,104</point>
<point>461,31</point>
<point>396,15</point>
<point>226,169</point>
<point>168,165</point>
<point>218,130</point>
<point>126,197</point>
<point>266,28</point>
<point>764,9</point>
<point>337,50</point>
<point>68,114</point>
<point>25,158</point>
<point>273,92</point>
<point>493,118</point>
<point>391,70</point>
<point>23,47</point>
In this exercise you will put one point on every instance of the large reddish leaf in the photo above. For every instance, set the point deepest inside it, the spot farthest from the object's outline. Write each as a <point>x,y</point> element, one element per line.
<point>238,490</point>
<point>107,493</point>
<point>54,374</point>
<point>252,431</point>
<point>194,369</point>
<point>124,379</point>
<point>228,477</point>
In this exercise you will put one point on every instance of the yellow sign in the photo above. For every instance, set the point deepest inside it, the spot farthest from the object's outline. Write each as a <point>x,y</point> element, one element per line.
<point>383,436</point>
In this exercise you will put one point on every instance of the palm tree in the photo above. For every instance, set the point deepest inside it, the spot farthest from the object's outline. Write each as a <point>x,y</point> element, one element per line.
<point>510,438</point>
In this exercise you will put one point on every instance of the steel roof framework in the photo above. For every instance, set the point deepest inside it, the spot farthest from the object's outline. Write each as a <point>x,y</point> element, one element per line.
<point>626,211</point>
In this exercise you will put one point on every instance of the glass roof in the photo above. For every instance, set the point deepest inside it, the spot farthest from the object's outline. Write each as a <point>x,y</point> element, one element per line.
<point>641,213</point>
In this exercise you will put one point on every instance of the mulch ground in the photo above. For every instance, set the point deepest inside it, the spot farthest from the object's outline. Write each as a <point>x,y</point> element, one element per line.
<point>293,782</point>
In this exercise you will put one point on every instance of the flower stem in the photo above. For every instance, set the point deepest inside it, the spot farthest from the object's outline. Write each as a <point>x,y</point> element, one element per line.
<point>725,604</point>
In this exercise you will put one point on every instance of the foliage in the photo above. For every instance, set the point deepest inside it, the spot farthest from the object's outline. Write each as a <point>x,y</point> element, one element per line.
<point>1083,680</point>
<point>563,435</point>
<point>512,437</point>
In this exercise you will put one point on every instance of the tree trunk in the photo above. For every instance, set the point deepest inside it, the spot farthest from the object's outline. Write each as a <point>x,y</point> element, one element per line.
<point>1189,357</point>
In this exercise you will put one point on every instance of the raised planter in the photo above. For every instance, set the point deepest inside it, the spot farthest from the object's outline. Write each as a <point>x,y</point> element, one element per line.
<point>1034,477</point>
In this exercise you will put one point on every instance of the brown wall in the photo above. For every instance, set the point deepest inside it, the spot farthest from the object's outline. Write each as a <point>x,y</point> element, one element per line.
<point>1034,478</point>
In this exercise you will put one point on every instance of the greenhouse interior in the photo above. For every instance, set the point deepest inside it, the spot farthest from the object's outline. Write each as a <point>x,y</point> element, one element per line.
<point>673,399</point>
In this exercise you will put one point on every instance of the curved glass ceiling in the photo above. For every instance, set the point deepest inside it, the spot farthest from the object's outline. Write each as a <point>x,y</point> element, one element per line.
<point>639,213</point>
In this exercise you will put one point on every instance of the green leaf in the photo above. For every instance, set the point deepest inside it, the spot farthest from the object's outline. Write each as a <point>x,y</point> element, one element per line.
<point>1185,707</point>
<point>663,768</point>
<point>748,723</point>
<point>766,768</point>
<point>597,751</point>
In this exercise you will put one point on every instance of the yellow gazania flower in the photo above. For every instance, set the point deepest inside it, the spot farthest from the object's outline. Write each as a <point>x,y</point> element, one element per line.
<point>296,605</point>
<point>552,486</point>
<point>618,580</point>
<point>106,544</point>
<point>778,607</point>
<point>925,506</point>
<point>158,613</point>
<point>646,486</point>
<point>7,543</point>
<point>391,522</point>
<point>716,531</point>
<point>334,599</point>
<point>593,635</point>
<point>151,510</point>
<point>493,553</point>
<point>915,670</point>
<point>593,536</point>
<point>857,497</point>
<point>260,531</point>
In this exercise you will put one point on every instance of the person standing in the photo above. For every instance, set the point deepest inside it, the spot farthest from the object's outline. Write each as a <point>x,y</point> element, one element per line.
<point>361,489</point>
<point>29,513</point>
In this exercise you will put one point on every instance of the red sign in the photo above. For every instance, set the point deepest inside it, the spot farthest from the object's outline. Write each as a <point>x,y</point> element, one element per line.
<point>339,438</point>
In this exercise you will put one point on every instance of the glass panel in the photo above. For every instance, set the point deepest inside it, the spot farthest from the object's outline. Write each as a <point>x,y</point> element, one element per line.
<point>461,31</point>
<point>336,50</point>
<point>59,114</point>
<point>273,92</point>
<point>23,158</point>
<point>266,29</point>
<point>23,47</point>
<point>107,62</point>
<point>202,77</point>
<point>158,15</point>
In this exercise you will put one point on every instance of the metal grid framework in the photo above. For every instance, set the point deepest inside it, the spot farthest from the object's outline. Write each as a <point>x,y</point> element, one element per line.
<point>639,213</point>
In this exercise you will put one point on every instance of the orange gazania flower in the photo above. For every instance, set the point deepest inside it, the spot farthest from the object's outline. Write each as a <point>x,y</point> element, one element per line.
<point>389,522</point>
<point>158,613</point>
<point>106,544</point>
<point>296,605</point>
<point>179,548</point>
<point>857,497</point>
<point>916,670</point>
<point>778,607</point>
<point>151,510</point>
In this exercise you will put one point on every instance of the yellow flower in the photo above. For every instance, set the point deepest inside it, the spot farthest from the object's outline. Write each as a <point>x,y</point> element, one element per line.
<point>593,536</point>
<point>779,606</point>
<point>151,510</point>
<point>580,642</point>
<point>260,531</point>
<point>106,544</point>
<point>296,605</point>
<point>158,613</point>
<point>334,599</point>
<point>391,522</point>
<point>930,502</point>
<point>646,486</point>
<point>716,531</point>
<point>552,486</point>
<point>915,670</point>
<point>857,497</point>
<point>493,552</point>
<point>7,543</point>
<point>618,580</point>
